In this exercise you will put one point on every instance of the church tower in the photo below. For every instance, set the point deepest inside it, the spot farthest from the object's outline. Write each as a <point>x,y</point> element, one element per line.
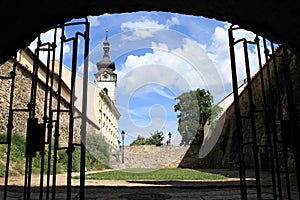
<point>105,78</point>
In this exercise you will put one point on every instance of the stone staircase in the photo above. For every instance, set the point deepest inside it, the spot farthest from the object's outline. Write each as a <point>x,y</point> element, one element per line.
<point>148,156</point>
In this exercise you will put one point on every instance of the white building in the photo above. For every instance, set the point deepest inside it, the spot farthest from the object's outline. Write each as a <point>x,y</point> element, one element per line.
<point>101,95</point>
<point>106,80</point>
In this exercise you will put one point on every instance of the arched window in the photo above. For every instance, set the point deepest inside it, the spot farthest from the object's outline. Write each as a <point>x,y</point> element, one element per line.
<point>105,90</point>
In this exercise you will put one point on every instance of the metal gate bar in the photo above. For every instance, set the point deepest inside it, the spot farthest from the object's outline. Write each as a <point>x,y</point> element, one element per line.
<point>277,118</point>
<point>71,146</point>
<point>31,110</point>
<point>9,124</point>
<point>83,130</point>
<point>272,116</point>
<point>43,131</point>
<point>293,116</point>
<point>232,42</point>
<point>47,47</point>
<point>50,118</point>
<point>268,118</point>
<point>252,119</point>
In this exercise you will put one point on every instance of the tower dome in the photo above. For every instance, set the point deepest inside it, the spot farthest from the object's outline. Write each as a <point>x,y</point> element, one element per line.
<point>106,63</point>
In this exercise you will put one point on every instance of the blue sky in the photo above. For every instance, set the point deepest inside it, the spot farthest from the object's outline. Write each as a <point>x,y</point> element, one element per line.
<point>158,56</point>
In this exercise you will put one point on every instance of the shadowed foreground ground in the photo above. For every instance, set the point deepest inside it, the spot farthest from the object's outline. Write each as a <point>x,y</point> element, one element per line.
<point>151,189</point>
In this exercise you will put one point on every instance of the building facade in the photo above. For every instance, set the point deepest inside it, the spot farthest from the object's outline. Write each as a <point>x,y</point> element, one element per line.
<point>102,114</point>
<point>106,81</point>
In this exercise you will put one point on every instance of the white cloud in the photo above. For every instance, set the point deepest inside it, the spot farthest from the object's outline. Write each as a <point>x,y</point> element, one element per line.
<point>180,69</point>
<point>162,92</point>
<point>145,28</point>
<point>218,52</point>
<point>152,118</point>
<point>176,62</point>
<point>94,20</point>
<point>49,37</point>
<point>132,112</point>
<point>172,21</point>
<point>92,68</point>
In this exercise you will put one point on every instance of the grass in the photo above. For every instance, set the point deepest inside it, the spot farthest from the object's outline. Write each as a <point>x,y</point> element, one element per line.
<point>154,174</point>
<point>18,160</point>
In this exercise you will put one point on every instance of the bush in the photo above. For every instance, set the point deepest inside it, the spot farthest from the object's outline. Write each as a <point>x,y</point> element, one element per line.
<point>155,139</point>
<point>96,160</point>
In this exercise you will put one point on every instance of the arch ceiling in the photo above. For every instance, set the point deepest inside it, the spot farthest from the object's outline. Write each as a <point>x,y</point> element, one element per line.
<point>23,20</point>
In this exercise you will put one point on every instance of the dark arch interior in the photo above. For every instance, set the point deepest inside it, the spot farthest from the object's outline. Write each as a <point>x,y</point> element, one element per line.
<point>274,20</point>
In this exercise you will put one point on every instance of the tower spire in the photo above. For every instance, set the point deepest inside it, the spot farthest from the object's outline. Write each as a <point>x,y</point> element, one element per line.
<point>105,78</point>
<point>106,46</point>
<point>106,38</point>
<point>106,63</point>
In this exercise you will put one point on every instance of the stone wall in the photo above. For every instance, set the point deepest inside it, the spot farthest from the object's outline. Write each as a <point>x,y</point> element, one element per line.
<point>225,152</point>
<point>150,156</point>
<point>21,98</point>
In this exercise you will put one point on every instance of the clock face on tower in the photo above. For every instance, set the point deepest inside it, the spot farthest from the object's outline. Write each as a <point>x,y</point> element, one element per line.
<point>108,77</point>
<point>105,75</point>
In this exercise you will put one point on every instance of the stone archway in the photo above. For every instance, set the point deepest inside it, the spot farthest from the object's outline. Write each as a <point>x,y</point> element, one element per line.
<point>20,27</point>
<point>21,30</point>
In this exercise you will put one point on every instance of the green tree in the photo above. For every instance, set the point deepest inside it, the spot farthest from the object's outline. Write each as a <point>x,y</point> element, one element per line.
<point>140,140</point>
<point>195,108</point>
<point>155,139</point>
<point>97,147</point>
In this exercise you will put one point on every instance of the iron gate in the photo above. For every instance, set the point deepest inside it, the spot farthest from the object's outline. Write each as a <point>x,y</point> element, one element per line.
<point>42,135</point>
<point>279,123</point>
<point>273,102</point>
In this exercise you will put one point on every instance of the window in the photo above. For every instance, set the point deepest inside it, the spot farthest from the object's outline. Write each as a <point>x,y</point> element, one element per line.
<point>105,90</point>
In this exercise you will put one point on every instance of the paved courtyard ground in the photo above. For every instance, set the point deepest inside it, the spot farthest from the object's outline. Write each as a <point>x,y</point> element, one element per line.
<point>149,190</point>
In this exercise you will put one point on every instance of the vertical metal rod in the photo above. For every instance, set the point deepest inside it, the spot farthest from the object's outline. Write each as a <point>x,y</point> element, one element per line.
<point>50,123</point>
<point>243,186</point>
<point>56,134</point>
<point>71,117</point>
<point>292,115</point>
<point>9,127</point>
<point>29,178</point>
<point>49,138</point>
<point>280,116</point>
<point>253,126</point>
<point>123,150</point>
<point>25,181</point>
<point>267,121</point>
<point>273,124</point>
<point>84,111</point>
<point>45,119</point>
<point>31,108</point>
